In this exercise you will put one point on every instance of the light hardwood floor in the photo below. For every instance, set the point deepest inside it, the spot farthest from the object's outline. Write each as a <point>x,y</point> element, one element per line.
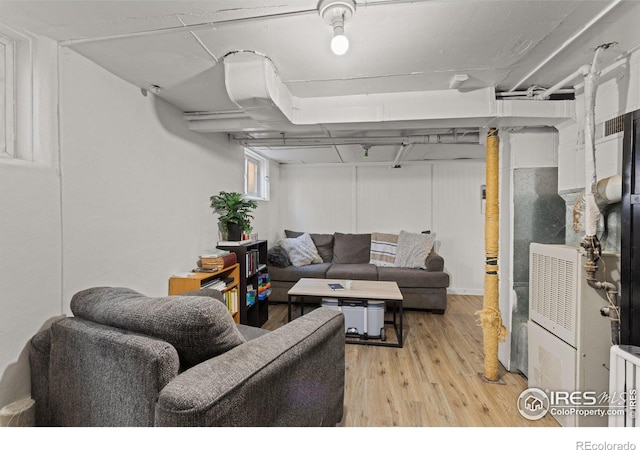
<point>433,381</point>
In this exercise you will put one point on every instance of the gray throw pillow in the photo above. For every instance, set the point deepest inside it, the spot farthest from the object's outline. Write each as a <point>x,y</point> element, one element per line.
<point>198,327</point>
<point>277,257</point>
<point>301,250</point>
<point>413,249</point>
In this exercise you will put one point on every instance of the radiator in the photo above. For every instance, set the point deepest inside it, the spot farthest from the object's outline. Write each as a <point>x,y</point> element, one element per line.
<point>624,382</point>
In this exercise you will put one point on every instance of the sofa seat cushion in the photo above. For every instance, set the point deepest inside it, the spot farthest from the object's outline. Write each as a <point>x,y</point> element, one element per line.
<point>413,278</point>
<point>198,327</point>
<point>293,273</point>
<point>353,272</point>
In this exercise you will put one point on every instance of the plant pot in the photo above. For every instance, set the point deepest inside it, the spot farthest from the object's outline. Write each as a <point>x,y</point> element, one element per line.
<point>234,232</point>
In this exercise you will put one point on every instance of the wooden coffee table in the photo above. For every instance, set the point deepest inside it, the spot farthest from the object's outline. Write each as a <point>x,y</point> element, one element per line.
<point>361,290</point>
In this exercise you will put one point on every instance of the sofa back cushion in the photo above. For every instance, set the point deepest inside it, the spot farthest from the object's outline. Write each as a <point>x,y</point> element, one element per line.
<point>198,327</point>
<point>351,248</point>
<point>323,243</point>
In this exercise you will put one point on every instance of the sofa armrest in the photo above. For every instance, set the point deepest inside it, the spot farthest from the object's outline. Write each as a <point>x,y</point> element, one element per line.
<point>434,262</point>
<point>293,376</point>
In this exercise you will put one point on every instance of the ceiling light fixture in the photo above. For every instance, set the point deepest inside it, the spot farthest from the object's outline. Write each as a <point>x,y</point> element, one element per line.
<point>336,13</point>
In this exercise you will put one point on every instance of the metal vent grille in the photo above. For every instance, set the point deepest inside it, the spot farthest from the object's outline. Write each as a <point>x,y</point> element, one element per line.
<point>613,126</point>
<point>553,299</point>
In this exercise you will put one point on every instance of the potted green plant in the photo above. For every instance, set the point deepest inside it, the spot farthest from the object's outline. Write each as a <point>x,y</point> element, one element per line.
<point>235,214</point>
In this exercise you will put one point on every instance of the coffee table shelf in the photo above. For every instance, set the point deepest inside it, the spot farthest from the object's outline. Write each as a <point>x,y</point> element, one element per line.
<point>362,291</point>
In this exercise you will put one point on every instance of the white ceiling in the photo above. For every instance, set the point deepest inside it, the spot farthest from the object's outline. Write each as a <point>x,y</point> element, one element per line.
<point>393,82</point>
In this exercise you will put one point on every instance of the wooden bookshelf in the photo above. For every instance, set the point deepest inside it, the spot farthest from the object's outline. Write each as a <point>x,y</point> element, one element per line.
<point>199,280</point>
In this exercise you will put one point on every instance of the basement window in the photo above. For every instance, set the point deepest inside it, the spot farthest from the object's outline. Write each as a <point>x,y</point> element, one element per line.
<point>16,96</point>
<point>6,97</point>
<point>256,176</point>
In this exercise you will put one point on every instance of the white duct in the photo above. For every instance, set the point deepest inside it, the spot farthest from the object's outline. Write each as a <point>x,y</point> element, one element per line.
<point>592,212</point>
<point>608,192</point>
<point>609,189</point>
<point>264,102</point>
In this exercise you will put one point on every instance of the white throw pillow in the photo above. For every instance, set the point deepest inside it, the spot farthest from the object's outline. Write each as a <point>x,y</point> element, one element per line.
<point>413,249</point>
<point>301,250</point>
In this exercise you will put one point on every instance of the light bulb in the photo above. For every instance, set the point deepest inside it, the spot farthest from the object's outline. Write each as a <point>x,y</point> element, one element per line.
<point>339,44</point>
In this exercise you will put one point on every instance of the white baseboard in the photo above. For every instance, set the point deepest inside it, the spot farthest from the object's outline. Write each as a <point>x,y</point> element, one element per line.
<point>464,291</point>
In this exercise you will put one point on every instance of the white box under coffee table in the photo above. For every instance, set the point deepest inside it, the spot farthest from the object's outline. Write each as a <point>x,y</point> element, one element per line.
<point>361,290</point>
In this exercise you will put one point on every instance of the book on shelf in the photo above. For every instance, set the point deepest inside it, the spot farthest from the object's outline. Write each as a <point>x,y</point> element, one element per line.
<point>216,252</point>
<point>228,280</point>
<point>231,299</point>
<point>214,284</point>
<point>252,261</point>
<point>217,262</point>
<point>218,283</point>
<point>201,270</point>
<point>233,243</point>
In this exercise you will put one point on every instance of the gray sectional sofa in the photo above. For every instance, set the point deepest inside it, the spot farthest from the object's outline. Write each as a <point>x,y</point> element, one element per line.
<point>347,256</point>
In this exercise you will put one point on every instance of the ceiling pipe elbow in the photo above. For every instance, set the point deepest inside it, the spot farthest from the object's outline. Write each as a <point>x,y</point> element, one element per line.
<point>584,70</point>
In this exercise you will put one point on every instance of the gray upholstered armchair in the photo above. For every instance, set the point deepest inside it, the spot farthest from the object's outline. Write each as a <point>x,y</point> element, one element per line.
<point>129,360</point>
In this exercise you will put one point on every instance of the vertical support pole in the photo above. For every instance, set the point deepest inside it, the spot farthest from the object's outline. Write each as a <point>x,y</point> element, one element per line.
<point>493,330</point>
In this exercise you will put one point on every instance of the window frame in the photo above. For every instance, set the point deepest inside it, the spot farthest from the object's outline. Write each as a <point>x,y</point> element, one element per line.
<point>261,175</point>
<point>19,76</point>
<point>7,149</point>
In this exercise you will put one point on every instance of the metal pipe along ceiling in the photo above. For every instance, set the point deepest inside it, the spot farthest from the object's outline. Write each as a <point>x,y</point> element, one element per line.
<point>470,137</point>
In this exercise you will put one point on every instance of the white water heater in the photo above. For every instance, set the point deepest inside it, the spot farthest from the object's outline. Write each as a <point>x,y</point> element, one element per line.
<point>569,339</point>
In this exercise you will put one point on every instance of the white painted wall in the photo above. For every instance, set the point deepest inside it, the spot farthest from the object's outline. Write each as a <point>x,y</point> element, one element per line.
<point>443,197</point>
<point>318,198</point>
<point>30,232</point>
<point>135,184</point>
<point>128,204</point>
<point>378,187</point>
<point>458,223</point>
<point>30,267</point>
